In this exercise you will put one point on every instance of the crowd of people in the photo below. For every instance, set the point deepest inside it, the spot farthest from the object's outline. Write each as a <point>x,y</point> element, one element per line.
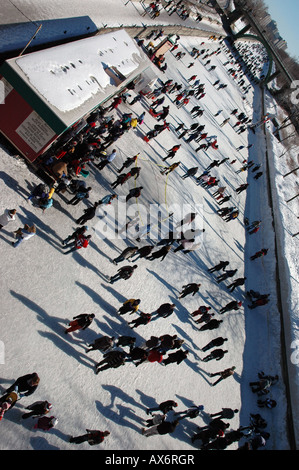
<point>69,166</point>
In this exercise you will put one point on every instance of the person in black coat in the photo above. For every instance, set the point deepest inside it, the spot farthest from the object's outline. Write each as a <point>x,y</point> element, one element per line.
<point>215,354</point>
<point>165,407</point>
<point>191,288</point>
<point>178,357</point>
<point>211,325</point>
<point>214,342</point>
<point>165,310</point>
<point>39,408</point>
<point>89,214</point>
<point>112,359</point>
<point>123,273</point>
<point>27,384</point>
<point>221,265</point>
<point>80,322</point>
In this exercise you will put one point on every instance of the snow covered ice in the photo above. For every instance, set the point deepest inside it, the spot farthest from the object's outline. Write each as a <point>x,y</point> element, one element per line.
<point>42,289</point>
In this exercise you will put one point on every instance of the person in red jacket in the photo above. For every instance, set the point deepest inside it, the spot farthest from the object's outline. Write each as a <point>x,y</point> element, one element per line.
<point>92,437</point>
<point>80,242</point>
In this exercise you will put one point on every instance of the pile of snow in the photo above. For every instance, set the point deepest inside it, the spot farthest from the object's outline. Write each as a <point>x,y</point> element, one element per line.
<point>67,76</point>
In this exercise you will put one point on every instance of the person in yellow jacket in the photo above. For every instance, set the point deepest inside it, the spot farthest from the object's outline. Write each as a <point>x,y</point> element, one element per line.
<point>134,123</point>
<point>129,306</point>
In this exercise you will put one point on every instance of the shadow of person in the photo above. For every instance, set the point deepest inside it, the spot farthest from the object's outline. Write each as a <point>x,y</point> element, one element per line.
<point>40,443</point>
<point>13,184</point>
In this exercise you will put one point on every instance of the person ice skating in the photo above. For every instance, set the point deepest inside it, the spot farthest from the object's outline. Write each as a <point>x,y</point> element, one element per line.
<point>143,319</point>
<point>223,374</point>
<point>190,172</point>
<point>143,252</point>
<point>202,310</point>
<point>177,357</point>
<point>215,354</point>
<point>39,408</point>
<point>262,386</point>
<point>129,306</point>
<point>128,162</point>
<point>221,265</point>
<point>165,427</point>
<point>134,192</point>
<point>123,273</point>
<point>9,215</point>
<point>233,305</point>
<point>204,318</point>
<point>156,419</point>
<point>267,403</point>
<point>238,282</point>
<point>93,437</point>
<point>172,152</point>
<point>191,288</point>
<point>232,216</point>
<point>242,187</point>
<point>259,254</point>
<point>259,302</point>
<point>112,360</point>
<point>211,325</point>
<point>24,233</point>
<point>219,341</point>
<point>170,168</point>
<point>89,214</point>
<point>126,254</point>
<point>164,407</point>
<point>80,322</point>
<point>165,310</point>
<point>124,341</point>
<point>226,275</point>
<point>103,343</point>
<point>191,412</point>
<point>75,234</point>
<point>162,253</point>
<point>108,159</point>
<point>81,241</point>
<point>81,194</point>
<point>225,413</point>
<point>46,423</point>
<point>26,385</point>
<point>8,402</point>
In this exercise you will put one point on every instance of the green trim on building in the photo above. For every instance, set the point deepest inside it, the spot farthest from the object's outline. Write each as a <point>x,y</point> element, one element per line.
<point>32,98</point>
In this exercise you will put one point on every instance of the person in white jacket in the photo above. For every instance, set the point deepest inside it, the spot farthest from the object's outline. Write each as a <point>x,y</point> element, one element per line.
<point>7,216</point>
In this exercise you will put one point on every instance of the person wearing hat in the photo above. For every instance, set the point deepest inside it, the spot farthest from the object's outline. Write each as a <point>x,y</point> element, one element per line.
<point>80,322</point>
<point>92,437</point>
<point>39,408</point>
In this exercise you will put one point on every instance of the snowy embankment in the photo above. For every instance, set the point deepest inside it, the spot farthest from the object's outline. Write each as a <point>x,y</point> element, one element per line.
<point>43,289</point>
<point>284,188</point>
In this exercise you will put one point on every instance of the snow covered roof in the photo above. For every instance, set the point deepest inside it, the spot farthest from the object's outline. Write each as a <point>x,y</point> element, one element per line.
<point>74,78</point>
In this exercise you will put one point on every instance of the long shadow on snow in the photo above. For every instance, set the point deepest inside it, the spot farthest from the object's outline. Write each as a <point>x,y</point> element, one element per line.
<point>53,323</point>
